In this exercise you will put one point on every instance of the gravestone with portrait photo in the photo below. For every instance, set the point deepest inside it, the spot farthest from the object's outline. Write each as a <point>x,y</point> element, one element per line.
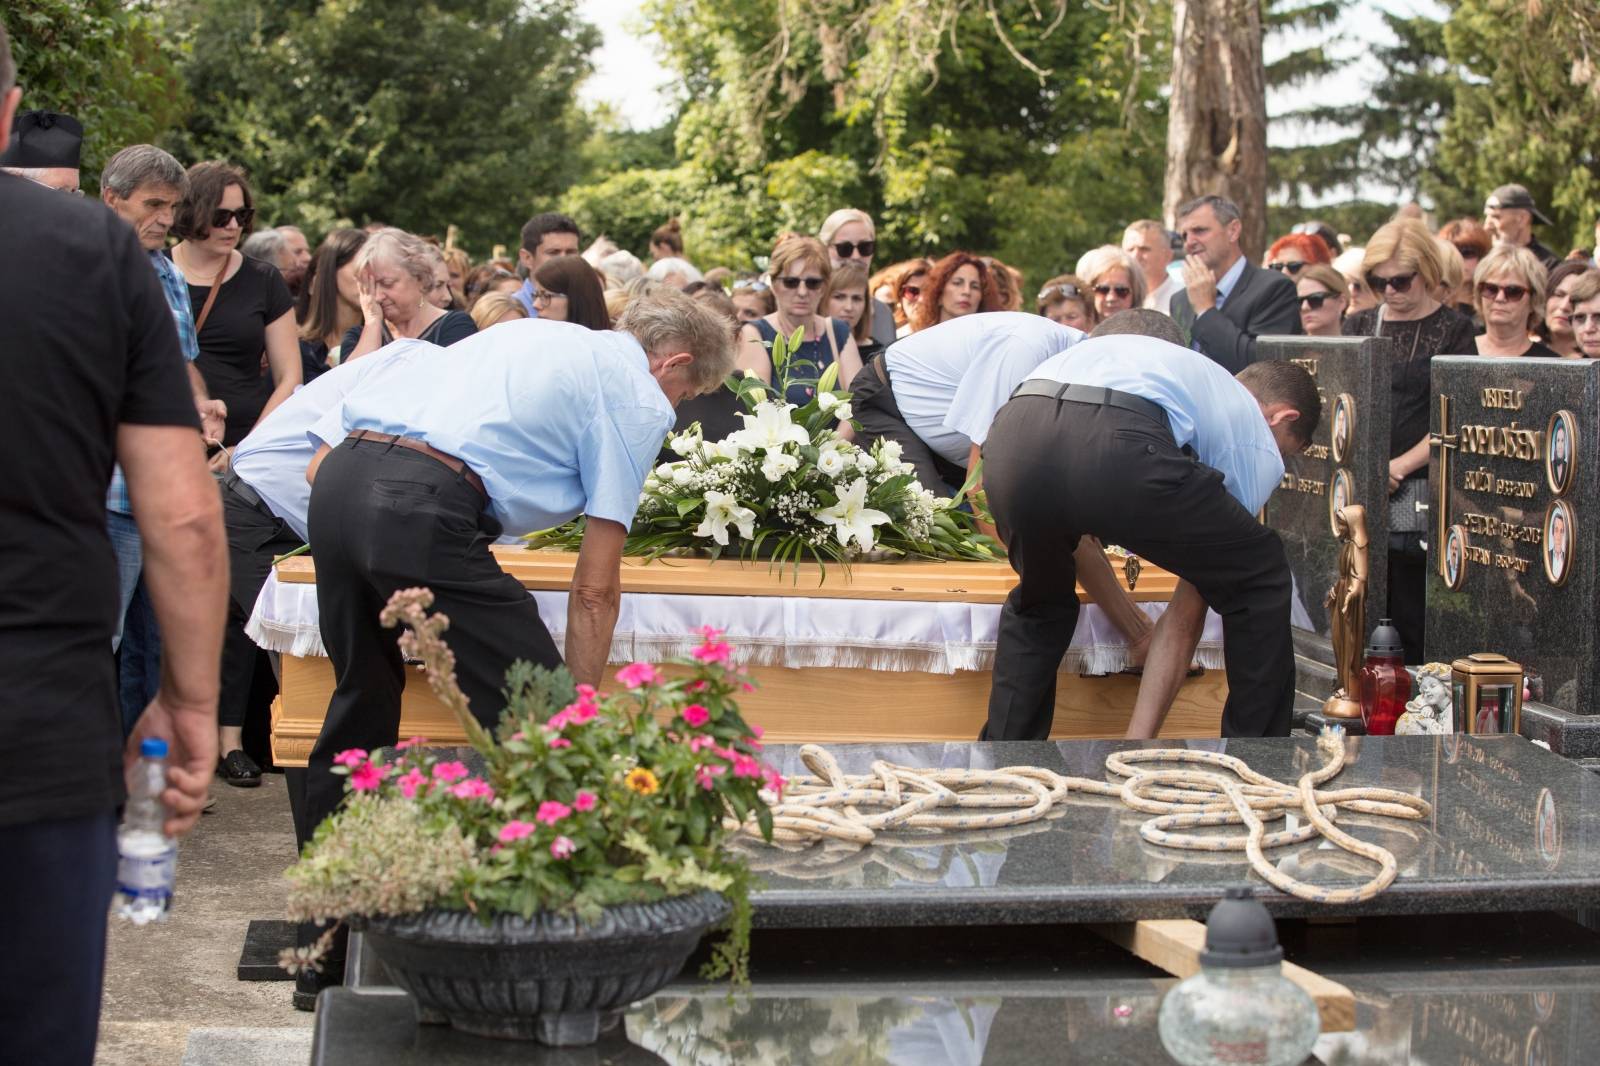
<point>1514,556</point>
<point>1346,463</point>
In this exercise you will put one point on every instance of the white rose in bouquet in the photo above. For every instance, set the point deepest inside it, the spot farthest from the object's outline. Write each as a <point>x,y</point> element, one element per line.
<point>890,450</point>
<point>684,444</point>
<point>828,401</point>
<point>842,412</point>
<point>865,462</point>
<point>778,464</point>
<point>664,471</point>
<point>682,474</point>
<point>831,461</point>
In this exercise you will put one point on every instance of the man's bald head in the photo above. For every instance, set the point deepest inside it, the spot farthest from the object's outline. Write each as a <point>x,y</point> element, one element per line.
<point>1142,322</point>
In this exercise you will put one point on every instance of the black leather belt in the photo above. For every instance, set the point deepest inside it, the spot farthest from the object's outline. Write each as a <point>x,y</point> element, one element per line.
<point>1096,395</point>
<point>241,488</point>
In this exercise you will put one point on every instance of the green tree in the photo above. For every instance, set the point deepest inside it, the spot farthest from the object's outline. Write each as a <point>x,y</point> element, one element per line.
<point>938,129</point>
<point>419,114</point>
<point>107,63</point>
<point>1527,110</point>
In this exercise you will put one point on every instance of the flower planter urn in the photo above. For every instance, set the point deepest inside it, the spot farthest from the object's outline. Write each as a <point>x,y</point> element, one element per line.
<point>548,978</point>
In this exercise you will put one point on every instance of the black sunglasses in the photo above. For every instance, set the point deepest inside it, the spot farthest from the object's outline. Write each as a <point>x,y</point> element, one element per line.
<point>1469,251</point>
<point>862,248</point>
<point>1399,283</point>
<point>1490,291</point>
<point>219,217</point>
<point>812,284</point>
<point>1315,300</point>
<point>1122,291</point>
<point>1290,268</point>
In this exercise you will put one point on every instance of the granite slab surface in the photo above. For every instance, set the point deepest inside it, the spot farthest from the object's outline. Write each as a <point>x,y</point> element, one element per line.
<point>1514,828</point>
<point>1428,990</point>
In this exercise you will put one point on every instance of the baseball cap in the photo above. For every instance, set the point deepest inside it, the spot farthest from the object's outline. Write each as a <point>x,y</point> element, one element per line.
<point>1516,196</point>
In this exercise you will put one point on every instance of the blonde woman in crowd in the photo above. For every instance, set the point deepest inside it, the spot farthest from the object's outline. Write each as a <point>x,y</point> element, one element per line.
<point>799,270</point>
<point>1113,278</point>
<point>1066,300</point>
<point>1323,300</point>
<point>1508,292</point>
<point>494,308</point>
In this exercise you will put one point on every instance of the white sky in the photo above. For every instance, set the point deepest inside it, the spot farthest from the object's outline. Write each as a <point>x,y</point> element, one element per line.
<point>629,73</point>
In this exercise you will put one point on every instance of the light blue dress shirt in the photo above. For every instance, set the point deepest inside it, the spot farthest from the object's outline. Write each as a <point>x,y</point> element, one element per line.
<point>524,296</point>
<point>273,458</point>
<point>557,420</point>
<point>1206,407</point>
<point>1226,283</point>
<point>950,379</point>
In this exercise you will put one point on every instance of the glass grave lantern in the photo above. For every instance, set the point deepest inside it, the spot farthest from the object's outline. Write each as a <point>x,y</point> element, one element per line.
<point>1487,693</point>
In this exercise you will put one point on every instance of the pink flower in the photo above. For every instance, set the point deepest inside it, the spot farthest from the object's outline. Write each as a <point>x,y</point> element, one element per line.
<point>519,735</point>
<point>696,686</point>
<point>710,633</point>
<point>584,801</point>
<point>757,732</point>
<point>449,771</point>
<point>583,712</point>
<point>551,812</point>
<point>560,742</point>
<point>472,788</point>
<point>586,693</point>
<point>514,831</point>
<point>713,651</point>
<point>696,715</point>
<point>411,782</point>
<point>635,674</point>
<point>747,686</point>
<point>353,757</point>
<point>412,743</point>
<point>745,766</point>
<point>562,847</point>
<point>774,780</point>
<point>559,720</point>
<point>706,775</point>
<point>696,744</point>
<point>368,776</point>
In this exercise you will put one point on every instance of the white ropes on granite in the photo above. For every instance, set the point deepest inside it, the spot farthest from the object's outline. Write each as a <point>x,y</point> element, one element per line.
<point>903,806</point>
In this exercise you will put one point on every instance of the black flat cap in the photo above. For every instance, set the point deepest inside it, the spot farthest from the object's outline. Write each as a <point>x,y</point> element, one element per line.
<point>44,139</point>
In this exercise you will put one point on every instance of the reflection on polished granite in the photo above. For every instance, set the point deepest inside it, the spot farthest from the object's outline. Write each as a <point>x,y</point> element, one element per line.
<point>1514,989</point>
<point>1514,828</point>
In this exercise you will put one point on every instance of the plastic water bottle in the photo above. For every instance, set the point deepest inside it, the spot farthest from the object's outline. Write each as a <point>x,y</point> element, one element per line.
<point>147,859</point>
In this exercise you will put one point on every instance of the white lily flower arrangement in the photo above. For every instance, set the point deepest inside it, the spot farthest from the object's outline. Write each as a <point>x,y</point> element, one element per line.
<point>788,487</point>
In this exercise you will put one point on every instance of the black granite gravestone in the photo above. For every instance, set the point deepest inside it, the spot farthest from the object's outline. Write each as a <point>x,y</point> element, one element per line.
<point>1512,540</point>
<point>1347,462</point>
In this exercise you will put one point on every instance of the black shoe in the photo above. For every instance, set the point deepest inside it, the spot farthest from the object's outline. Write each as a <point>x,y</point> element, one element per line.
<point>238,769</point>
<point>308,984</point>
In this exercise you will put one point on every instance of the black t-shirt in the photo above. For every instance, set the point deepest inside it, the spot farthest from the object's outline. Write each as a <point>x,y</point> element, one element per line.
<point>86,342</point>
<point>234,338</point>
<point>1445,332</point>
<point>443,331</point>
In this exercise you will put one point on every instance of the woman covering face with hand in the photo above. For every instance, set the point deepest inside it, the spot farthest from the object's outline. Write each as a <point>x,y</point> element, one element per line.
<point>395,273</point>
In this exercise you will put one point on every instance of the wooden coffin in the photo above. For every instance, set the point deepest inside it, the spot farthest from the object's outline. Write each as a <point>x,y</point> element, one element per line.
<point>816,704</point>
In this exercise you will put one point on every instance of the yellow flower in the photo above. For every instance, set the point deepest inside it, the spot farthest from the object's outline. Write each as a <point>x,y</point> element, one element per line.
<point>642,781</point>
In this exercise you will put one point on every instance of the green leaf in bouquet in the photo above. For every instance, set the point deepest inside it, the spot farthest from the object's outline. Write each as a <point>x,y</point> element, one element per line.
<point>688,504</point>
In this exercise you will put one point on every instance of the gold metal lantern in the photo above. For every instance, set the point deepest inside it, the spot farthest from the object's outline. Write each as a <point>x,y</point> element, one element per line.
<point>1487,693</point>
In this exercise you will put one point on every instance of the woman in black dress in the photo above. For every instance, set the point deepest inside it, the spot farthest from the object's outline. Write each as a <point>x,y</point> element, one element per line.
<point>249,351</point>
<point>1404,267</point>
<point>394,272</point>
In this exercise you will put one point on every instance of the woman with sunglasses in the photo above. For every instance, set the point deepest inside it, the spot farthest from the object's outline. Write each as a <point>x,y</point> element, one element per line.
<point>959,284</point>
<point>900,286</point>
<point>1291,254</point>
<point>1509,290</point>
<point>1473,242</point>
<point>1557,329</point>
<point>752,297</point>
<point>1065,301</point>
<point>1403,267</point>
<point>243,309</point>
<point>1586,313</point>
<point>1113,278</point>
<point>799,269</point>
<point>1323,300</point>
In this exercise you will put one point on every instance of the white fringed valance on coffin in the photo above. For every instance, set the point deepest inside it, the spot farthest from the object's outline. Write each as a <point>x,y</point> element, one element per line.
<point>792,631</point>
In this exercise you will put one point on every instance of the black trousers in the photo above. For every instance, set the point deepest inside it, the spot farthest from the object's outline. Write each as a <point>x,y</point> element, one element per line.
<point>874,406</point>
<point>384,518</point>
<point>255,537</point>
<point>1056,470</point>
<point>55,897</point>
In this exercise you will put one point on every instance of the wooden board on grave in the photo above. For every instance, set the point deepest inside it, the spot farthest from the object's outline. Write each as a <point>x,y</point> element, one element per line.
<point>1512,540</point>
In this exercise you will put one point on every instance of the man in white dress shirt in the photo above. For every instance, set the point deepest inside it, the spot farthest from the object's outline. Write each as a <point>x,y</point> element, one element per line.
<point>1151,247</point>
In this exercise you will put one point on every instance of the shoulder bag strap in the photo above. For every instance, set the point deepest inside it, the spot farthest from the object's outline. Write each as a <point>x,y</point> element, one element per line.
<point>833,342</point>
<point>211,297</point>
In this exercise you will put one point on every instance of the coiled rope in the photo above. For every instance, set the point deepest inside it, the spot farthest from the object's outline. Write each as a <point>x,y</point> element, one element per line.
<point>902,806</point>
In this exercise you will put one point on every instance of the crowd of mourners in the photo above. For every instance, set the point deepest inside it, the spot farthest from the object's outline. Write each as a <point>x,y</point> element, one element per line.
<point>264,312</point>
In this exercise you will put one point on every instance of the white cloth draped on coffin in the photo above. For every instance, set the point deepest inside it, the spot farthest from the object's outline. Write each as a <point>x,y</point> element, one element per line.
<point>795,631</point>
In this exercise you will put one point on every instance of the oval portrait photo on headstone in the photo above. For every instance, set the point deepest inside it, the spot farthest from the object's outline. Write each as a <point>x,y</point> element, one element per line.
<point>1344,425</point>
<point>1561,451</point>
<point>1547,829</point>
<point>1560,534</point>
<point>1455,556</point>
<point>1341,493</point>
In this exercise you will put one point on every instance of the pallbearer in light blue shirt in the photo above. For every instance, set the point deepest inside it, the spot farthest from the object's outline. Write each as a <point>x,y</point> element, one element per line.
<point>935,394</point>
<point>421,469</point>
<point>1132,437</point>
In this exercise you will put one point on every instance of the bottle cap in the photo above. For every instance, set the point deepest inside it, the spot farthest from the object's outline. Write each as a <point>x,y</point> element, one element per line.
<point>1386,640</point>
<point>1240,933</point>
<point>153,748</point>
